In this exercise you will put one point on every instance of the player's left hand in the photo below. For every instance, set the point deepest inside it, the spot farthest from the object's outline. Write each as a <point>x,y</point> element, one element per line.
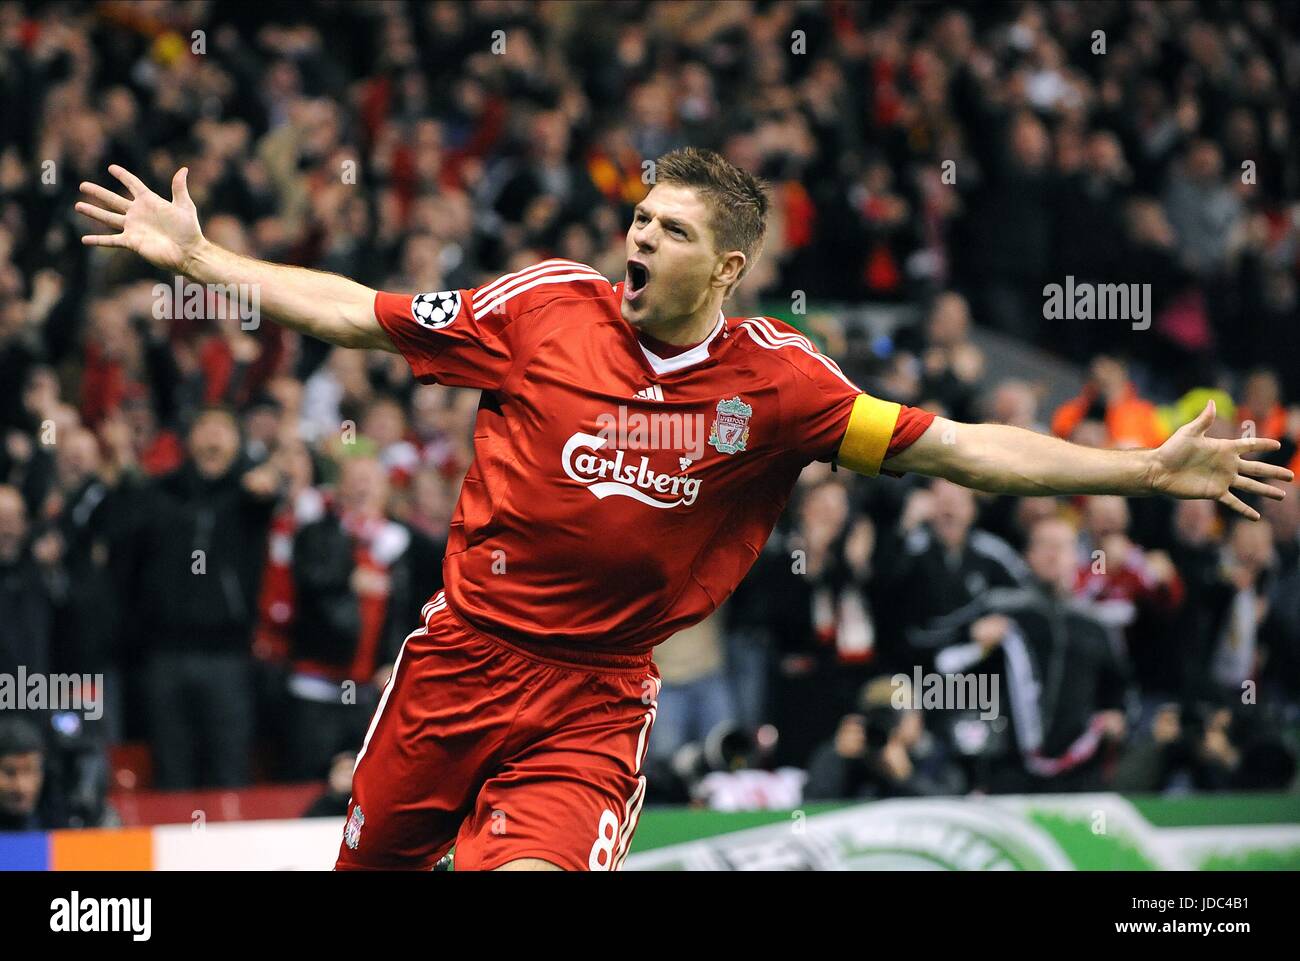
<point>1191,466</point>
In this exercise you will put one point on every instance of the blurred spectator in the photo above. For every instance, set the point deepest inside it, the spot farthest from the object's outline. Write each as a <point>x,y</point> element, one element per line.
<point>25,465</point>
<point>1011,217</point>
<point>1205,749</point>
<point>1203,209</point>
<point>1110,398</point>
<point>385,424</point>
<point>22,775</point>
<point>694,699</point>
<point>824,630</point>
<point>197,558</point>
<point>1196,554</point>
<point>882,752</point>
<point>52,774</point>
<point>302,503</point>
<point>1059,665</point>
<point>30,587</point>
<point>941,562</point>
<point>1280,632</point>
<point>1261,409</point>
<point>1239,604</point>
<point>359,580</point>
<point>1014,402</point>
<point>87,517</point>
<point>953,366</point>
<point>1135,590</point>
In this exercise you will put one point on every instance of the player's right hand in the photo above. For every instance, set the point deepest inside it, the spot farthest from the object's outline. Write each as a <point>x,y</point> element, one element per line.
<point>164,233</point>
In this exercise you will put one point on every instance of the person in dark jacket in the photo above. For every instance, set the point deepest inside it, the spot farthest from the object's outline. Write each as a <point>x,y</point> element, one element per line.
<point>53,773</point>
<point>1280,632</point>
<point>1236,608</point>
<point>1197,553</point>
<point>360,579</point>
<point>823,629</point>
<point>1061,671</point>
<point>882,752</point>
<point>937,562</point>
<point>85,520</point>
<point>28,589</point>
<point>22,775</point>
<point>197,559</point>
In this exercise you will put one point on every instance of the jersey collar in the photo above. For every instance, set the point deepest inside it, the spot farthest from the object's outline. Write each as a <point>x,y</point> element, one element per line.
<point>687,358</point>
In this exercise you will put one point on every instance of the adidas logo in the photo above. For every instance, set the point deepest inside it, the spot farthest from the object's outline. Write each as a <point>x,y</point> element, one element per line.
<point>653,392</point>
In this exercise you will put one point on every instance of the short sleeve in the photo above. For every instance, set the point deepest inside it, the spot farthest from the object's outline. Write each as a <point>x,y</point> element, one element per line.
<point>838,420</point>
<point>823,403</point>
<point>442,339</point>
<point>470,337</point>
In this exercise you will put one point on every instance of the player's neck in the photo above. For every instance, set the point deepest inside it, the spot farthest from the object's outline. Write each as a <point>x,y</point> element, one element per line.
<point>686,331</point>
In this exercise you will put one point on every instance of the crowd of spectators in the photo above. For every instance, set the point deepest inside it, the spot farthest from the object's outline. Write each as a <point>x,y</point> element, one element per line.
<point>236,527</point>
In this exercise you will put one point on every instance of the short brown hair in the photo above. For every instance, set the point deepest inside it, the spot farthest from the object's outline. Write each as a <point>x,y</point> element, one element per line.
<point>737,198</point>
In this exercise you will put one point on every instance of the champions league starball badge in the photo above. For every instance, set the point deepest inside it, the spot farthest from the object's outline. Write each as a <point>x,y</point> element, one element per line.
<point>730,428</point>
<point>437,309</point>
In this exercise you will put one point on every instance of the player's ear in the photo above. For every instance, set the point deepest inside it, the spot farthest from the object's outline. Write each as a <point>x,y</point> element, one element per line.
<point>727,272</point>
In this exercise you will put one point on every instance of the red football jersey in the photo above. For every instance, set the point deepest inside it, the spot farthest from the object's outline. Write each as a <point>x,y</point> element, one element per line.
<point>616,496</point>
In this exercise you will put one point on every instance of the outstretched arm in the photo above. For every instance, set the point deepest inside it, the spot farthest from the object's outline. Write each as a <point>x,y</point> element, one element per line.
<point>1009,460</point>
<point>167,234</point>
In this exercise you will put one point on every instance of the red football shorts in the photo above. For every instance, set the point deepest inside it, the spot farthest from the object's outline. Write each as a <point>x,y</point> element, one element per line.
<point>502,752</point>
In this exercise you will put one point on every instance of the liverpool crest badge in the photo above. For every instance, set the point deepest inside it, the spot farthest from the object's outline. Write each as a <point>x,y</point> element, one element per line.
<point>352,833</point>
<point>731,427</point>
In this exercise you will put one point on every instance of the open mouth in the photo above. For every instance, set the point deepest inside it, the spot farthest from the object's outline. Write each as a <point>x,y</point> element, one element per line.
<point>638,275</point>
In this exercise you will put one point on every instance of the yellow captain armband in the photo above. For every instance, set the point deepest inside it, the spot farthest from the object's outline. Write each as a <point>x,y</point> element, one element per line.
<point>871,425</point>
